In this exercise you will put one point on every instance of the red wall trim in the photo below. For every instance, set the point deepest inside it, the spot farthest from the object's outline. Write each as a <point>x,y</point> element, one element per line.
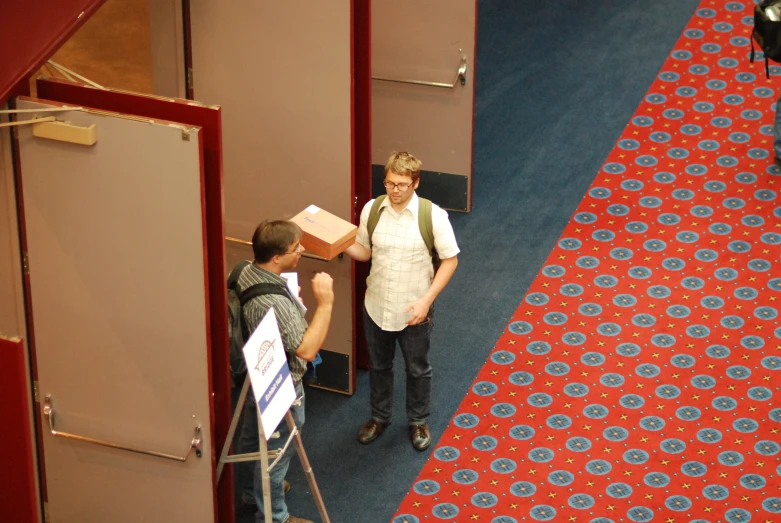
<point>31,32</point>
<point>18,496</point>
<point>362,149</point>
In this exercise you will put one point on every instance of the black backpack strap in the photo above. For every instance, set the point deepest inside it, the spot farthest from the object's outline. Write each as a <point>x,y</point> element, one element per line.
<point>233,277</point>
<point>259,289</point>
<point>252,292</point>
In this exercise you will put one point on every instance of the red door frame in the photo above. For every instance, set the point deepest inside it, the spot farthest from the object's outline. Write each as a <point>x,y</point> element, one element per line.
<point>18,495</point>
<point>362,161</point>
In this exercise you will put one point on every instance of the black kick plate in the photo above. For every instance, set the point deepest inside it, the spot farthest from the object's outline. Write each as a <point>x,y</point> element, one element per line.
<point>449,191</point>
<point>333,373</point>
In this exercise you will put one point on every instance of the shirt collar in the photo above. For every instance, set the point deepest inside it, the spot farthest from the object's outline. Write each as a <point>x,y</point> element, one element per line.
<point>412,206</point>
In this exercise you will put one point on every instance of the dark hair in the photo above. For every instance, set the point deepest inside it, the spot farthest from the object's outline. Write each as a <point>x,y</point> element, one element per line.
<point>273,237</point>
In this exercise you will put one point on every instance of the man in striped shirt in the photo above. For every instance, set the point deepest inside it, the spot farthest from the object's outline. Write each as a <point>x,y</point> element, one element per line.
<point>277,247</point>
<point>400,293</point>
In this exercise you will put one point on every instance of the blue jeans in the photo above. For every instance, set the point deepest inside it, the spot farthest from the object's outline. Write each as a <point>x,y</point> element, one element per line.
<point>414,341</point>
<point>249,443</point>
<point>777,130</point>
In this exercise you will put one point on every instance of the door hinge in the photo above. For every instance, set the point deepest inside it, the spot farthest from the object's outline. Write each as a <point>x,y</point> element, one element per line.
<point>46,517</point>
<point>26,264</point>
<point>36,396</point>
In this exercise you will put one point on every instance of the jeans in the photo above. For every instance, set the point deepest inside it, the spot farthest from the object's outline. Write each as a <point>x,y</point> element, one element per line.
<point>249,443</point>
<point>414,341</point>
<point>777,130</point>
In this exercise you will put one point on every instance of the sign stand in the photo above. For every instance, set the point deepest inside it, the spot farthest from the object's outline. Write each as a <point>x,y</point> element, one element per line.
<point>275,393</point>
<point>265,455</point>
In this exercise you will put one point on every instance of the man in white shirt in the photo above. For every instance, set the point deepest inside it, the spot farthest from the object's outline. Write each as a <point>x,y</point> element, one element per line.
<point>401,289</point>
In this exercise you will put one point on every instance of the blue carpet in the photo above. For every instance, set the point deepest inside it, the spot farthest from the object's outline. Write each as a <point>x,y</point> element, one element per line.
<point>556,85</point>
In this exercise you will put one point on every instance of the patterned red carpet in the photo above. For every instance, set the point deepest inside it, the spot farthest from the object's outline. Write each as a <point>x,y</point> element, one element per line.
<point>638,380</point>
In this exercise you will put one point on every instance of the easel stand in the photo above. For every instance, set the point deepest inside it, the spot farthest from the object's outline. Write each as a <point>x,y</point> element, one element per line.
<point>265,455</point>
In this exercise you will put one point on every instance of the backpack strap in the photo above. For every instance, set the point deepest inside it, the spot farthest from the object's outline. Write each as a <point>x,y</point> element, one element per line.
<point>233,277</point>
<point>260,289</point>
<point>252,292</point>
<point>374,216</point>
<point>425,224</point>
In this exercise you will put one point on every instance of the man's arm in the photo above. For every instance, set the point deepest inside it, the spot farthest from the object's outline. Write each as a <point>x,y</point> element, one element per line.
<point>358,252</point>
<point>420,308</point>
<point>314,337</point>
<point>361,250</point>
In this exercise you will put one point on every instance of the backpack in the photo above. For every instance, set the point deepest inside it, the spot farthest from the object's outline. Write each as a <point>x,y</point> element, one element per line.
<point>767,31</point>
<point>238,330</point>
<point>424,224</point>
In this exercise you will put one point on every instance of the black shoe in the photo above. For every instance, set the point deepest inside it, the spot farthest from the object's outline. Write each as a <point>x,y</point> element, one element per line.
<point>777,161</point>
<point>420,435</point>
<point>371,431</point>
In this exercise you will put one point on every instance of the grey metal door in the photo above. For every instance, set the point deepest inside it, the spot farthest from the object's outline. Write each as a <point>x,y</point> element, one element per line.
<point>115,250</point>
<point>423,93</point>
<point>287,128</point>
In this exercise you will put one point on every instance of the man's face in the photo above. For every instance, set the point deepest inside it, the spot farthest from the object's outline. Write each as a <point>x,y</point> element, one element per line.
<point>399,188</point>
<point>289,260</point>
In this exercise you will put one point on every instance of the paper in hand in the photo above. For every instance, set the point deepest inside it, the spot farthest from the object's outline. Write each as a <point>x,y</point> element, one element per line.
<point>292,285</point>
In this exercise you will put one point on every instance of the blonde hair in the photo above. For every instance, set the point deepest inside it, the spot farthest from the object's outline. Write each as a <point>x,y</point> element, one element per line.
<point>404,164</point>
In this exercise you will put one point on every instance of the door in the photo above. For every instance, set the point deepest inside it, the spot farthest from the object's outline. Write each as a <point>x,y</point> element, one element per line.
<point>115,240</point>
<point>423,93</point>
<point>209,119</point>
<point>288,127</point>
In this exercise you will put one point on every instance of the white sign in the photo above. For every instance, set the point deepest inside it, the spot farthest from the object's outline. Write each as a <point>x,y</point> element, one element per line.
<point>269,373</point>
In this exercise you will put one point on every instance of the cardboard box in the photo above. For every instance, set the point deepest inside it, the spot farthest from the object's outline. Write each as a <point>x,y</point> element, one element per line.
<point>325,235</point>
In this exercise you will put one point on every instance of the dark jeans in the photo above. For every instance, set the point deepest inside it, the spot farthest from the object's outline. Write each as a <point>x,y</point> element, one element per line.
<point>414,341</point>
<point>777,130</point>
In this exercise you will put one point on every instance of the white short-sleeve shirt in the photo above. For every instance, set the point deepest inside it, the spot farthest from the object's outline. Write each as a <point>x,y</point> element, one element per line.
<point>401,270</point>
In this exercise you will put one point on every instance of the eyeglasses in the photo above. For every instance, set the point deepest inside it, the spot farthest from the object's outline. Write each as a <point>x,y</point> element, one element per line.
<point>299,250</point>
<point>399,186</point>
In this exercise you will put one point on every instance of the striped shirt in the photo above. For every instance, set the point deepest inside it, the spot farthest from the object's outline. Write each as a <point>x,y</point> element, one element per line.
<point>289,312</point>
<point>401,271</point>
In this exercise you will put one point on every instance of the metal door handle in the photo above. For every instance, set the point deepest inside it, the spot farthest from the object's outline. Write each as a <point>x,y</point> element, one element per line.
<point>195,444</point>
<point>460,76</point>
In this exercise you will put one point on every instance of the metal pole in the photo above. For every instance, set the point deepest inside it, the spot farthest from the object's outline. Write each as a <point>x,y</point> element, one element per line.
<point>264,469</point>
<point>310,475</point>
<point>232,430</point>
